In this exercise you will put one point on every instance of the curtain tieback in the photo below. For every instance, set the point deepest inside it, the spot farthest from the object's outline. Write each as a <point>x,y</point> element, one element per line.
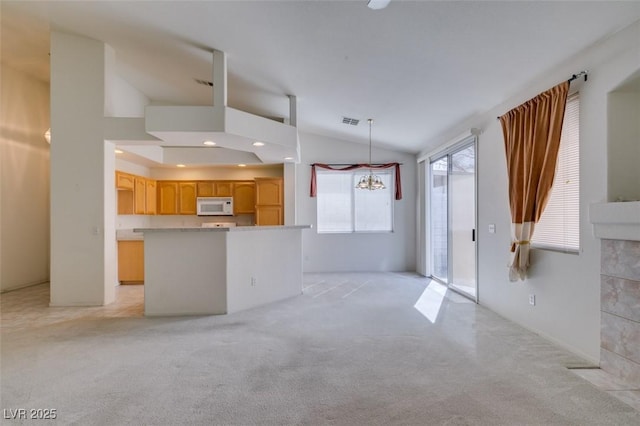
<point>518,243</point>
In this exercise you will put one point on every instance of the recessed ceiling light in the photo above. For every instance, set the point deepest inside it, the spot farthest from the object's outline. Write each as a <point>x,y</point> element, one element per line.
<point>258,143</point>
<point>288,158</point>
<point>118,151</point>
<point>180,165</point>
<point>209,143</point>
<point>242,165</point>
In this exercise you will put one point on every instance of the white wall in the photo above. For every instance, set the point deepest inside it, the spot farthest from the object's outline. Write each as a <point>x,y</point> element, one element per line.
<point>567,286</point>
<point>122,99</point>
<point>213,173</point>
<point>353,252</point>
<point>24,180</point>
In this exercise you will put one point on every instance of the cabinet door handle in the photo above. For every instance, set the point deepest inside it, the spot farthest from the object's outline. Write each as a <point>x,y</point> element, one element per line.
<point>473,235</point>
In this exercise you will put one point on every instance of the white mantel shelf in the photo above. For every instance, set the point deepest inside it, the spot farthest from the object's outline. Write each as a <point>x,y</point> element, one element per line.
<point>616,221</point>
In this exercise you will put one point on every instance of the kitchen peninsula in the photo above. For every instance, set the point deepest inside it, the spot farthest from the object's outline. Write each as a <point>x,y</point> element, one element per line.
<point>212,271</point>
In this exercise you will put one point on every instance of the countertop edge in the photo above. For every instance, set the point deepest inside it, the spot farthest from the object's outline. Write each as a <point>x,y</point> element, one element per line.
<point>232,229</point>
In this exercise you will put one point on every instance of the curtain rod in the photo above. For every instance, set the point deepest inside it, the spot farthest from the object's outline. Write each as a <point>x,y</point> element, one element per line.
<point>574,77</point>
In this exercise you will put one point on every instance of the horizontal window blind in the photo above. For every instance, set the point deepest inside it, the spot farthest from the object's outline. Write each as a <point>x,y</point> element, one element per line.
<point>559,226</point>
<point>343,208</point>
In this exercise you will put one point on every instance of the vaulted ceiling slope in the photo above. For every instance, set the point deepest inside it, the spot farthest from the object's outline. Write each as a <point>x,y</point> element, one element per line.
<point>417,67</point>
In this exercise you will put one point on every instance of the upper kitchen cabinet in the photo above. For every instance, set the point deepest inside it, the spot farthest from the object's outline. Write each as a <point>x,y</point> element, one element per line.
<point>205,188</point>
<point>151,196</point>
<point>224,189</point>
<point>125,186</point>
<point>136,194</point>
<point>212,188</point>
<point>124,181</point>
<point>140,195</point>
<point>176,197</point>
<point>187,197</point>
<point>268,191</point>
<point>167,197</point>
<point>244,197</point>
<point>269,201</point>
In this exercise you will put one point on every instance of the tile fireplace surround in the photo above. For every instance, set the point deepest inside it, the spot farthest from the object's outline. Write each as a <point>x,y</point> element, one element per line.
<point>618,225</point>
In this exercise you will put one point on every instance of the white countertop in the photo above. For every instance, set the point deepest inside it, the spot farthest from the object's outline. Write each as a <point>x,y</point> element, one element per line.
<point>128,235</point>
<point>235,229</point>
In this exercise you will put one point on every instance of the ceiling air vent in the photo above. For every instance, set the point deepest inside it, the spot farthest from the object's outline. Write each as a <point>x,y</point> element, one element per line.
<point>204,82</point>
<point>351,121</point>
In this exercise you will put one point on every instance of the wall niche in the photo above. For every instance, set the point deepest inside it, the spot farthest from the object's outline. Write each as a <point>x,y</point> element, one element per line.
<point>623,144</point>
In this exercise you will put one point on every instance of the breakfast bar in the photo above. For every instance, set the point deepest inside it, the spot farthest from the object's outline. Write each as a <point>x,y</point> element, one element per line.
<point>213,271</point>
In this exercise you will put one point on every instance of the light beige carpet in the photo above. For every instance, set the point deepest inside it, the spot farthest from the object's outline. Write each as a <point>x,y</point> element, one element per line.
<point>353,350</point>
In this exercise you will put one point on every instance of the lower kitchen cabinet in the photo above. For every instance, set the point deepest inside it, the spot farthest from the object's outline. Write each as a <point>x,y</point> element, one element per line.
<point>131,262</point>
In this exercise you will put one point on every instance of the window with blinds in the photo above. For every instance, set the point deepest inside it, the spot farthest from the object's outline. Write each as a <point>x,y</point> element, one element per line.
<point>343,208</point>
<point>559,226</point>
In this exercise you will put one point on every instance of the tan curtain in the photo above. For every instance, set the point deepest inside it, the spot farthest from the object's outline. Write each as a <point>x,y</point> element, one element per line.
<point>531,139</point>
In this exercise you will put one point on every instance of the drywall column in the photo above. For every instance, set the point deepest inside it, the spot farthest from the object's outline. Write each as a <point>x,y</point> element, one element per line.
<point>290,169</point>
<point>79,211</point>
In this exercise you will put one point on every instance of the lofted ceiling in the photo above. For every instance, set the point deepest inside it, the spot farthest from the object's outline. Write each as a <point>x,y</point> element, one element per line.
<point>417,67</point>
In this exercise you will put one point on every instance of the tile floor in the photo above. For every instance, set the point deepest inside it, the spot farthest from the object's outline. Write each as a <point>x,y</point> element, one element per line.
<point>28,308</point>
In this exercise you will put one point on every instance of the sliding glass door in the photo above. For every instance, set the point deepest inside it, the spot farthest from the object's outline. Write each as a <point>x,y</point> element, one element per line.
<point>439,219</point>
<point>452,218</point>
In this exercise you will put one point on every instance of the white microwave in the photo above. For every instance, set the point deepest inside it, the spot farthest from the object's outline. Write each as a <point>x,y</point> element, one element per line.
<point>214,206</point>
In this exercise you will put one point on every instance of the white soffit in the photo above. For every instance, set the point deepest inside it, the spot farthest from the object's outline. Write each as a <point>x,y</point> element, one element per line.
<point>190,126</point>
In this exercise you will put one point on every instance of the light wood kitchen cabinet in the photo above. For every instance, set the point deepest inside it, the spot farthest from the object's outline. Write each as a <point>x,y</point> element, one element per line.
<point>213,188</point>
<point>224,189</point>
<point>167,197</point>
<point>269,215</point>
<point>124,181</point>
<point>125,201</point>
<point>136,194</point>
<point>140,195</point>
<point>268,191</point>
<point>151,196</point>
<point>187,198</point>
<point>269,201</point>
<point>244,197</point>
<point>131,262</point>
<point>205,188</point>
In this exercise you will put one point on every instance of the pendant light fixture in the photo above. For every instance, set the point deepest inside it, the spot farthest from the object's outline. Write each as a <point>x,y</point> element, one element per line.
<point>370,181</point>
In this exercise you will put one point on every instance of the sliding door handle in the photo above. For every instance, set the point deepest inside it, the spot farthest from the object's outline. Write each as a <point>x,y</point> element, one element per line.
<point>473,235</point>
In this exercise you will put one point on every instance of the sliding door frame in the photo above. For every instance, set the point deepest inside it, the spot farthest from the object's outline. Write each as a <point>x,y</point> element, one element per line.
<point>470,140</point>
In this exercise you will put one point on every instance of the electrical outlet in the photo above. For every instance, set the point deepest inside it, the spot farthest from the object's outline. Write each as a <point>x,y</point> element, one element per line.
<point>492,228</point>
<point>532,299</point>
<point>253,281</point>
